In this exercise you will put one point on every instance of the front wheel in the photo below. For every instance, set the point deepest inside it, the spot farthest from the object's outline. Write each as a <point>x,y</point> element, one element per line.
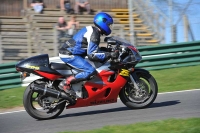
<point>147,94</point>
<point>42,107</point>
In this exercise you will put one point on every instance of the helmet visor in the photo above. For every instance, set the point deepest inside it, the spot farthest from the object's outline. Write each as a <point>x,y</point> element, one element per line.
<point>110,26</point>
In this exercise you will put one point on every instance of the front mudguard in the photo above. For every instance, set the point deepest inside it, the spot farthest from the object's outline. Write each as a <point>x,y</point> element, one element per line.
<point>137,72</point>
<point>140,70</point>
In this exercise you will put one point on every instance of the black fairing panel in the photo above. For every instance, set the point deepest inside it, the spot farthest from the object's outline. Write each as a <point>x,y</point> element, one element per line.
<point>39,62</point>
<point>58,66</point>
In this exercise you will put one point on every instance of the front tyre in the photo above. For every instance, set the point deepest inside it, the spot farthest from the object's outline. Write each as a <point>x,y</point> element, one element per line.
<point>140,99</point>
<point>36,105</point>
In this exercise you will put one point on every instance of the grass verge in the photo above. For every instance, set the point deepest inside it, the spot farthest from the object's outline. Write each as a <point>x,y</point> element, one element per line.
<point>11,97</point>
<point>190,125</point>
<point>168,80</point>
<point>177,79</point>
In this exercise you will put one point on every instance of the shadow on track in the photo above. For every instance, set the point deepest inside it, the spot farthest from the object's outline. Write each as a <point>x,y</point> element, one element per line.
<point>154,105</point>
<point>95,112</point>
<point>166,103</point>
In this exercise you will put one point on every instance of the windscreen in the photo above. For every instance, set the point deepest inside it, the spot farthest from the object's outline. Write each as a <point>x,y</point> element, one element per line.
<point>128,44</point>
<point>123,41</point>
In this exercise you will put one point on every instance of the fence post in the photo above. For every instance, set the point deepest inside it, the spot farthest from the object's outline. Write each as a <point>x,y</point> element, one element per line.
<point>170,2</point>
<point>185,28</point>
<point>38,43</point>
<point>25,3</point>
<point>29,40</point>
<point>121,32</point>
<point>131,21</point>
<point>1,52</point>
<point>163,30</point>
<point>55,41</point>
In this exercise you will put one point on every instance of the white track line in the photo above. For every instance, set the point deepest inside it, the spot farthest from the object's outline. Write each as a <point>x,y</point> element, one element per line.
<point>158,93</point>
<point>179,91</point>
<point>12,112</point>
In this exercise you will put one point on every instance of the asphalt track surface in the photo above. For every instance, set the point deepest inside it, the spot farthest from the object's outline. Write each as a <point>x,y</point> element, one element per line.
<point>168,105</point>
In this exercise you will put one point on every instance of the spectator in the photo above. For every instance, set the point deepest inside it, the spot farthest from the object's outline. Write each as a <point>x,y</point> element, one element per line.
<point>37,5</point>
<point>72,25</point>
<point>67,29</point>
<point>82,4</point>
<point>61,27</point>
<point>65,5</point>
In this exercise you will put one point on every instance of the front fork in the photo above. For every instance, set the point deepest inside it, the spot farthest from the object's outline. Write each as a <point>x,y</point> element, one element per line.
<point>135,80</point>
<point>129,74</point>
<point>134,83</point>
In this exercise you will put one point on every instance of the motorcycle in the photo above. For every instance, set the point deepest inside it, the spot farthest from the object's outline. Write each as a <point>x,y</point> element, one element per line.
<point>115,78</point>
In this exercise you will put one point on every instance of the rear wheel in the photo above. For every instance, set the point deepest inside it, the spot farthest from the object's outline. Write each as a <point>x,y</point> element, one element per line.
<point>147,94</point>
<point>42,107</point>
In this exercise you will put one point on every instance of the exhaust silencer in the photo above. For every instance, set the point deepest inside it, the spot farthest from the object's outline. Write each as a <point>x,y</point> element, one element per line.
<point>52,93</point>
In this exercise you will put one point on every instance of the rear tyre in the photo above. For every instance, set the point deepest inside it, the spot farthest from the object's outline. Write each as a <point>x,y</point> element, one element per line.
<point>137,100</point>
<point>34,105</point>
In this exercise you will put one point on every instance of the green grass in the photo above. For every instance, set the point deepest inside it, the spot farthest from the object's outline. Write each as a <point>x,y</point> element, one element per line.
<point>11,97</point>
<point>175,79</point>
<point>191,125</point>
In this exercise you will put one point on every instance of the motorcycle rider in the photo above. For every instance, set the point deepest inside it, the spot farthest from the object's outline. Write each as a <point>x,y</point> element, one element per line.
<point>86,42</point>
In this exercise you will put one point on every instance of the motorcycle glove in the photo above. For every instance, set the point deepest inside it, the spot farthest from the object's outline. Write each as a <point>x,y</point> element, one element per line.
<point>107,57</point>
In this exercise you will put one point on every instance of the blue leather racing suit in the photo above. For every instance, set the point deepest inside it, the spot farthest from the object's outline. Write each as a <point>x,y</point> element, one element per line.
<point>85,42</point>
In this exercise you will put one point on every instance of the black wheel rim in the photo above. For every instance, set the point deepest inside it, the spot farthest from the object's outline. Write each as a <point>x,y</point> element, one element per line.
<point>37,105</point>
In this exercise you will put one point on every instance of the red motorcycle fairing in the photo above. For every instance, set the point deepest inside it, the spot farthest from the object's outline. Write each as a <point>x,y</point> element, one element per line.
<point>48,75</point>
<point>101,93</point>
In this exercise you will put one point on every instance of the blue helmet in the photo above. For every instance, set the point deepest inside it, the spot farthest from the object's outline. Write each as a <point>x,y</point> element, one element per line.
<point>103,21</point>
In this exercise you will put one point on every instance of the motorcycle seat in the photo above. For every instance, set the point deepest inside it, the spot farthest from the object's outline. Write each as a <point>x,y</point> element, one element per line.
<point>59,66</point>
